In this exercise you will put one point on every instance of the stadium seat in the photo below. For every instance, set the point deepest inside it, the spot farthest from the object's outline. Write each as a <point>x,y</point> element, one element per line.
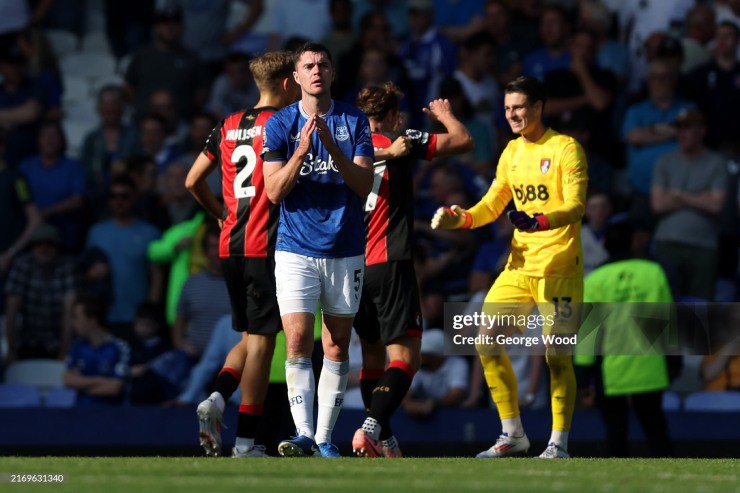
<point>76,88</point>
<point>60,397</point>
<point>96,42</point>
<point>89,65</point>
<point>75,131</point>
<point>19,395</point>
<point>62,42</point>
<point>727,401</point>
<point>671,401</point>
<point>43,374</point>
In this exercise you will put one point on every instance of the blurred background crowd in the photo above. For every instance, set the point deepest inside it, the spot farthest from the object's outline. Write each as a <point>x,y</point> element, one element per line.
<point>104,105</point>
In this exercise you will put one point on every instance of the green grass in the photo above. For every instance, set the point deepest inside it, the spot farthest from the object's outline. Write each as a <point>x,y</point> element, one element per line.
<point>352,475</point>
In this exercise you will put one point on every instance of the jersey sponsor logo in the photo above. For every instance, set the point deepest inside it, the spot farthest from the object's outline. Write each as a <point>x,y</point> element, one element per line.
<point>545,165</point>
<point>317,165</point>
<point>530,193</point>
<point>342,133</point>
<point>243,133</point>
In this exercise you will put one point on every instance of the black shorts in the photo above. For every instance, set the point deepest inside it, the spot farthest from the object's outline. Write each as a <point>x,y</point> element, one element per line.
<point>251,286</point>
<point>389,307</point>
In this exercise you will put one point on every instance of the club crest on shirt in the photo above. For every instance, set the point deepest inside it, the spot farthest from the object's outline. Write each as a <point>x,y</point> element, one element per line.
<point>342,133</point>
<point>544,165</point>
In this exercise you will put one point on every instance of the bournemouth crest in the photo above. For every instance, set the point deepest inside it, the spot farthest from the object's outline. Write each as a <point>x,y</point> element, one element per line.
<point>544,165</point>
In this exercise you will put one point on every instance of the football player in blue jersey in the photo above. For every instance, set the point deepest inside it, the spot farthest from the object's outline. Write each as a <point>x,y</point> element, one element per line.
<point>318,158</point>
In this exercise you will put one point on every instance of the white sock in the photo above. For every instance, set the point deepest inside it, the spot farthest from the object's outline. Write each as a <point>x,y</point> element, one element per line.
<point>301,392</point>
<point>372,428</point>
<point>244,444</point>
<point>218,399</point>
<point>513,426</point>
<point>332,384</point>
<point>559,438</point>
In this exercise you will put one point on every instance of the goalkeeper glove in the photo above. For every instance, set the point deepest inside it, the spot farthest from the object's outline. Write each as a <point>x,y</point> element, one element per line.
<point>454,217</point>
<point>529,224</point>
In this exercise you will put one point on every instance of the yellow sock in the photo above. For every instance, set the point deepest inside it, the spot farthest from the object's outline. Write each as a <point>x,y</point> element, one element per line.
<point>502,384</point>
<point>562,390</point>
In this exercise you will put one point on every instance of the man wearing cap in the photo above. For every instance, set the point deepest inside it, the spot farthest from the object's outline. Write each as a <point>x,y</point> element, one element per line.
<point>688,193</point>
<point>39,293</point>
<point>167,64</point>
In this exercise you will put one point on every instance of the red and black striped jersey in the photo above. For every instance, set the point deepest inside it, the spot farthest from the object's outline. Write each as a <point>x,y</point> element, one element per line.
<point>251,220</point>
<point>389,209</point>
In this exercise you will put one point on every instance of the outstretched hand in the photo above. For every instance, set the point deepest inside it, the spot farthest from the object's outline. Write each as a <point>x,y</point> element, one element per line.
<point>438,109</point>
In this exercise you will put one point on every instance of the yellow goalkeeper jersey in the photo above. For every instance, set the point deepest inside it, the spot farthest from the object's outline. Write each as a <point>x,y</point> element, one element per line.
<point>549,177</point>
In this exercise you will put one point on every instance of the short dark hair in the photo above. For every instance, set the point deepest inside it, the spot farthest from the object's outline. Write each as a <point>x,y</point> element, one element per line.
<point>377,101</point>
<point>151,311</point>
<point>123,180</point>
<point>530,87</point>
<point>93,307</point>
<point>478,39</point>
<point>313,47</point>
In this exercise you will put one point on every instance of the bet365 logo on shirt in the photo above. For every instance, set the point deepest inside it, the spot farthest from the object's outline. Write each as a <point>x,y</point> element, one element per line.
<point>530,193</point>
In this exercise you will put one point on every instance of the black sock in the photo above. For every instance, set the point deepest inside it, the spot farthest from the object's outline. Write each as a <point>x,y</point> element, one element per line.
<point>248,420</point>
<point>226,383</point>
<point>390,391</point>
<point>368,381</point>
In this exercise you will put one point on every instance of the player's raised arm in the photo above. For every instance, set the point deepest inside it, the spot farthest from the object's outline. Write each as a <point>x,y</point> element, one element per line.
<point>457,140</point>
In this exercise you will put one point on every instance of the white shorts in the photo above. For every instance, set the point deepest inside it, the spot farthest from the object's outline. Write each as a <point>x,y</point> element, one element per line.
<point>302,281</point>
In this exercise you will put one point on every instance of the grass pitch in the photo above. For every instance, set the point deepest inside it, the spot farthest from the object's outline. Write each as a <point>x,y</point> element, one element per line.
<point>353,475</point>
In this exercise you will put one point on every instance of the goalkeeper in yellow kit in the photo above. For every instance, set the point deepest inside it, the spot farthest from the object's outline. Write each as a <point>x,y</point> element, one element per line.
<point>544,172</point>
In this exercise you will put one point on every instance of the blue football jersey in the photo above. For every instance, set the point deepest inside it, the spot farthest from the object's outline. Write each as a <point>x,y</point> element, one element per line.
<point>321,216</point>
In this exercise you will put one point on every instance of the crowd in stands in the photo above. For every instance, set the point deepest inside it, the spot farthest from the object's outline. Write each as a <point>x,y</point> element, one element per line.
<point>108,263</point>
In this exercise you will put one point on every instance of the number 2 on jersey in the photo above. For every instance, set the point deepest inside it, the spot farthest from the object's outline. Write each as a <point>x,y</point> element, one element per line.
<point>244,151</point>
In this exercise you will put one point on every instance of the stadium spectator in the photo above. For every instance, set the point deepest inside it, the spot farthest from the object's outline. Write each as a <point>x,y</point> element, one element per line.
<point>175,199</point>
<point>128,25</point>
<point>442,381</point>
<point>341,37</point>
<point>621,375</point>
<point>582,90</point>
<point>39,292</point>
<point>153,143</point>
<point>611,54</point>
<point>699,33</point>
<point>688,194</point>
<point>597,213</point>
<point>306,19</point>
<point>203,301</point>
<point>57,184</point>
<point>322,237</point>
<point>97,363</point>
<point>533,274</point>
<point>143,172</point>
<point>124,238</point>
<point>476,75</point>
<point>396,12</point>
<point>428,56</point>
<point>167,64</point>
<point>233,89</point>
<point>157,371</point>
<point>19,215</point>
<point>511,49</point>
<point>201,126</point>
<point>43,67</point>
<point>162,104</point>
<point>21,104</point>
<point>390,313</point>
<point>715,87</point>
<point>555,30</point>
<point>649,132</point>
<point>112,139</point>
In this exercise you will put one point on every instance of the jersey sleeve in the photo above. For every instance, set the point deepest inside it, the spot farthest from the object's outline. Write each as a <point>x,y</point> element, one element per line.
<point>213,144</point>
<point>574,180</point>
<point>363,138</point>
<point>274,141</point>
<point>498,196</point>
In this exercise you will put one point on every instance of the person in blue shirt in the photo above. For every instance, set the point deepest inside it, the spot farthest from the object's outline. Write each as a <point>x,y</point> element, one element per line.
<point>318,157</point>
<point>97,363</point>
